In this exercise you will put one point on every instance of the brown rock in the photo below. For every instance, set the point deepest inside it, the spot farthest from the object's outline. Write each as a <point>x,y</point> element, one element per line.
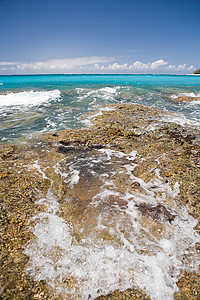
<point>186,98</point>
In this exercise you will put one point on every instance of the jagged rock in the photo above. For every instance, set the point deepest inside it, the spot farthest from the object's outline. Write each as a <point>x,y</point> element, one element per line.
<point>26,174</point>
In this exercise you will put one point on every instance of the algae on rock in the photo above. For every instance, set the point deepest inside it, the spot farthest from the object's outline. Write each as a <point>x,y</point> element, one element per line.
<point>51,161</point>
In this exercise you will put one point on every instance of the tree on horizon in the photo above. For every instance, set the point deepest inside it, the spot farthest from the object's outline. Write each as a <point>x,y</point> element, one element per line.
<point>197,71</point>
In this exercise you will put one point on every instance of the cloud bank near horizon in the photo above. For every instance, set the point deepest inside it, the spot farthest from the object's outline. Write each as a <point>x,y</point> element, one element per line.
<point>146,67</point>
<point>93,64</point>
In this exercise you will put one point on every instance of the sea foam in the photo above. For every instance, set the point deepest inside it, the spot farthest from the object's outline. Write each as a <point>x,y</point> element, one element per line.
<point>88,121</point>
<point>181,119</point>
<point>105,93</point>
<point>192,95</point>
<point>28,98</point>
<point>134,256</point>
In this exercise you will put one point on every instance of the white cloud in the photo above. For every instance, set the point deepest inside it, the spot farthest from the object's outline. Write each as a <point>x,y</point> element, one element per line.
<point>138,65</point>
<point>54,65</point>
<point>171,67</point>
<point>90,64</point>
<point>157,64</point>
<point>7,63</point>
<point>149,66</point>
<point>117,66</point>
<point>191,68</point>
<point>181,67</point>
<point>63,64</point>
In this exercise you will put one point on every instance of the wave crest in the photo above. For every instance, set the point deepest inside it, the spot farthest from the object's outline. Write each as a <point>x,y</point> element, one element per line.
<point>28,98</point>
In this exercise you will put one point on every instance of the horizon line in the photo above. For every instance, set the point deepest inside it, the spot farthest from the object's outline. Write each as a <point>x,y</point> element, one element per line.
<point>39,74</point>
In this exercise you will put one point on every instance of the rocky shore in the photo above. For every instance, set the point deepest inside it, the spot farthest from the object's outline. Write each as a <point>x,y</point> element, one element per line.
<point>186,99</point>
<point>165,156</point>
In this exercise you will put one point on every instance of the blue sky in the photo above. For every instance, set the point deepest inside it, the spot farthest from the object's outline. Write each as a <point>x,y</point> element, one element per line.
<point>99,36</point>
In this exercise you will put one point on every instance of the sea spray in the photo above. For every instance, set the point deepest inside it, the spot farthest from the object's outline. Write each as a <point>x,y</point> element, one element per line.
<point>28,98</point>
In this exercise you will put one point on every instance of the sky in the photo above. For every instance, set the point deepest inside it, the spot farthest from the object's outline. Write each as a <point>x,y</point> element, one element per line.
<point>99,36</point>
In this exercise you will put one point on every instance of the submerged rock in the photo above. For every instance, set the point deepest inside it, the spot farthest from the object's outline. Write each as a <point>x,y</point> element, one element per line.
<point>107,212</point>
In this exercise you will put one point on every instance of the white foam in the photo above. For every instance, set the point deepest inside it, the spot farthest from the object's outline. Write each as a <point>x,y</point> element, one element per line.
<point>28,98</point>
<point>71,176</point>
<point>74,177</point>
<point>134,256</point>
<point>106,93</point>
<point>197,95</point>
<point>181,119</point>
<point>189,103</point>
<point>109,153</point>
<point>37,166</point>
<point>88,121</point>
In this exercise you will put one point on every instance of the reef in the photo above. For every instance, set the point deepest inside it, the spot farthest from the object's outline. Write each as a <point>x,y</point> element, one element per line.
<point>186,98</point>
<point>131,132</point>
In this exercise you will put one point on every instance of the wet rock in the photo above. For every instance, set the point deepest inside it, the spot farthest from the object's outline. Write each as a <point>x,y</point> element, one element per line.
<point>6,151</point>
<point>186,98</point>
<point>26,173</point>
<point>66,149</point>
<point>158,212</point>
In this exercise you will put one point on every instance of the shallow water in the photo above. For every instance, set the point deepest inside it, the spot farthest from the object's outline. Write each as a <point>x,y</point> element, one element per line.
<point>33,104</point>
<point>108,229</point>
<point>109,243</point>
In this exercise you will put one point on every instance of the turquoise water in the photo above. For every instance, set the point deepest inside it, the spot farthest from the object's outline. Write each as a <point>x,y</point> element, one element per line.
<point>39,103</point>
<point>69,81</point>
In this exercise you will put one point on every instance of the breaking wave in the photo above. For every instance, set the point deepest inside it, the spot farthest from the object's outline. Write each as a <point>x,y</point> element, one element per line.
<point>28,98</point>
<point>105,93</point>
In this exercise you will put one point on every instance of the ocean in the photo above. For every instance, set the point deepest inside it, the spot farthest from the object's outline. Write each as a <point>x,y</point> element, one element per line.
<point>32,104</point>
<point>108,212</point>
